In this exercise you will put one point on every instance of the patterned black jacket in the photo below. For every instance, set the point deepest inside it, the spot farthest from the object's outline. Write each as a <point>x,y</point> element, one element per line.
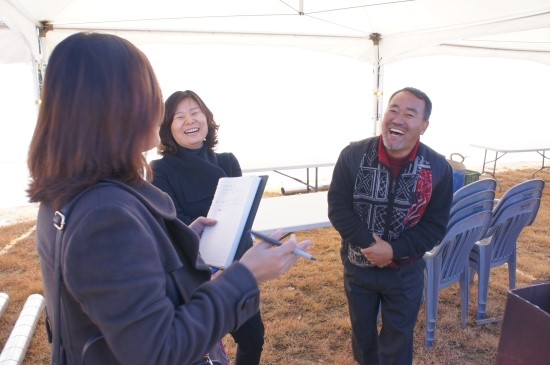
<point>410,212</point>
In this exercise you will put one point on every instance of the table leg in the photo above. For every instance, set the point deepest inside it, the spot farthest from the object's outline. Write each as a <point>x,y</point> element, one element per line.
<point>495,163</point>
<point>484,163</point>
<point>316,178</point>
<point>543,166</point>
<point>306,183</point>
<point>315,188</point>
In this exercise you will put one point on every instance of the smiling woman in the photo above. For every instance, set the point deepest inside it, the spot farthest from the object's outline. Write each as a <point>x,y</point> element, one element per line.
<point>189,172</point>
<point>190,125</point>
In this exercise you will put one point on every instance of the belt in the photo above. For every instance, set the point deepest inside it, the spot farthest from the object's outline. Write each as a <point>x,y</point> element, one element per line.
<point>395,264</point>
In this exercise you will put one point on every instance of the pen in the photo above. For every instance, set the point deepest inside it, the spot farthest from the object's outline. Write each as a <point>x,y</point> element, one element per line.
<point>274,242</point>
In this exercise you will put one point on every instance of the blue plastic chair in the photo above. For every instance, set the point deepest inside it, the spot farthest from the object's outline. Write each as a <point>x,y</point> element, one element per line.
<point>472,198</point>
<point>474,187</point>
<point>481,200</point>
<point>529,189</point>
<point>500,247</point>
<point>447,263</point>
<point>479,206</point>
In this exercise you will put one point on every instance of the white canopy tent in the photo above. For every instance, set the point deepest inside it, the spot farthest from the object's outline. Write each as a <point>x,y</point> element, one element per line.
<point>375,31</point>
<point>407,27</point>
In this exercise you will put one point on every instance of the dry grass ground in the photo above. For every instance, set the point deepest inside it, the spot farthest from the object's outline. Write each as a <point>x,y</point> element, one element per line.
<point>305,312</point>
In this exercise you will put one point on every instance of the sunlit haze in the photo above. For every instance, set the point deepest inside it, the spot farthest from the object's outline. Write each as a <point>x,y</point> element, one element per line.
<point>280,106</point>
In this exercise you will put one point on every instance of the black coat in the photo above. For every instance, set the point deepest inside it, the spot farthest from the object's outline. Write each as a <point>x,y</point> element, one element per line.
<point>191,180</point>
<point>133,275</point>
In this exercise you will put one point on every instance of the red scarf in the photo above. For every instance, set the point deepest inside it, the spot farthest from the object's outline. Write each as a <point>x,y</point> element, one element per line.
<point>394,163</point>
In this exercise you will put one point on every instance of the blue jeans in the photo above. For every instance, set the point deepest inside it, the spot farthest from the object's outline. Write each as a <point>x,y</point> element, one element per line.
<point>398,293</point>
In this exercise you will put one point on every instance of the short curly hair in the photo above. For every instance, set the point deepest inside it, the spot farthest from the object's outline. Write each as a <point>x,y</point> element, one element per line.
<point>168,145</point>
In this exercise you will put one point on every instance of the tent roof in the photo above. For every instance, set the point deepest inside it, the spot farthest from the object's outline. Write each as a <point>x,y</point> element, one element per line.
<point>408,28</point>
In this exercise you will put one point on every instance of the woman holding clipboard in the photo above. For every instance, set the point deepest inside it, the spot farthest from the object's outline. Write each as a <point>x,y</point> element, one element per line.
<point>189,172</point>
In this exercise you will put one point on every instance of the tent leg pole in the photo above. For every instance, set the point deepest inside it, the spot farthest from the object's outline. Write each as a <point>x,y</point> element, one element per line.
<point>377,84</point>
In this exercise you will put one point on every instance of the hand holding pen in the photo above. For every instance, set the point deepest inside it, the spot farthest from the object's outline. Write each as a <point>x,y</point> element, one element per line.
<point>266,262</point>
<point>277,243</point>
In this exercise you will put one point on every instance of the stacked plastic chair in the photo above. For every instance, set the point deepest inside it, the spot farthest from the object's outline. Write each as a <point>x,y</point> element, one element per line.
<point>515,210</point>
<point>472,188</point>
<point>478,195</point>
<point>448,262</point>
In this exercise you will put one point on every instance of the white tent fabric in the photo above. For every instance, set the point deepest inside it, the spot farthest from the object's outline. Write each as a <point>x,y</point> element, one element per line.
<point>407,27</point>
<point>376,31</point>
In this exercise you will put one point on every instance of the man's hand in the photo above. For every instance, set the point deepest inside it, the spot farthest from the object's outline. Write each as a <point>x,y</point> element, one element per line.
<point>380,253</point>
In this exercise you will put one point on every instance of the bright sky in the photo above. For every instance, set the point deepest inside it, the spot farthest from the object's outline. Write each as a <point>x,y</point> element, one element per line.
<point>285,105</point>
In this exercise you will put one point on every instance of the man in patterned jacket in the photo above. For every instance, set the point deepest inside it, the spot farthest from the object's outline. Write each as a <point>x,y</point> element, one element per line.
<point>389,199</point>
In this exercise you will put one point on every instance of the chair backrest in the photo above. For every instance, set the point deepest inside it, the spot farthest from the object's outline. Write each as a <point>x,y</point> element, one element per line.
<point>461,211</point>
<point>452,254</point>
<point>525,185</point>
<point>529,189</point>
<point>514,198</point>
<point>474,187</point>
<point>473,198</point>
<point>460,202</point>
<point>522,187</point>
<point>507,224</point>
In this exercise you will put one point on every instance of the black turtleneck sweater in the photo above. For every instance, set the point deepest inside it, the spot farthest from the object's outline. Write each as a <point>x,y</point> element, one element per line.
<point>190,178</point>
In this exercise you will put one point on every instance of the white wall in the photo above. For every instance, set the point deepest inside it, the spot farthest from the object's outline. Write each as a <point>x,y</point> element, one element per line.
<point>281,106</point>
<point>273,104</point>
<point>17,119</point>
<point>499,102</point>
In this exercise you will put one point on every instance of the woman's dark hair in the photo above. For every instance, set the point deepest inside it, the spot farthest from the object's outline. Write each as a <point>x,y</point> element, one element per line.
<point>420,95</point>
<point>101,104</point>
<point>168,145</point>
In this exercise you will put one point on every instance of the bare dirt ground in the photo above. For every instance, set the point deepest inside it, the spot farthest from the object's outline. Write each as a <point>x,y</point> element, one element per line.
<point>305,311</point>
